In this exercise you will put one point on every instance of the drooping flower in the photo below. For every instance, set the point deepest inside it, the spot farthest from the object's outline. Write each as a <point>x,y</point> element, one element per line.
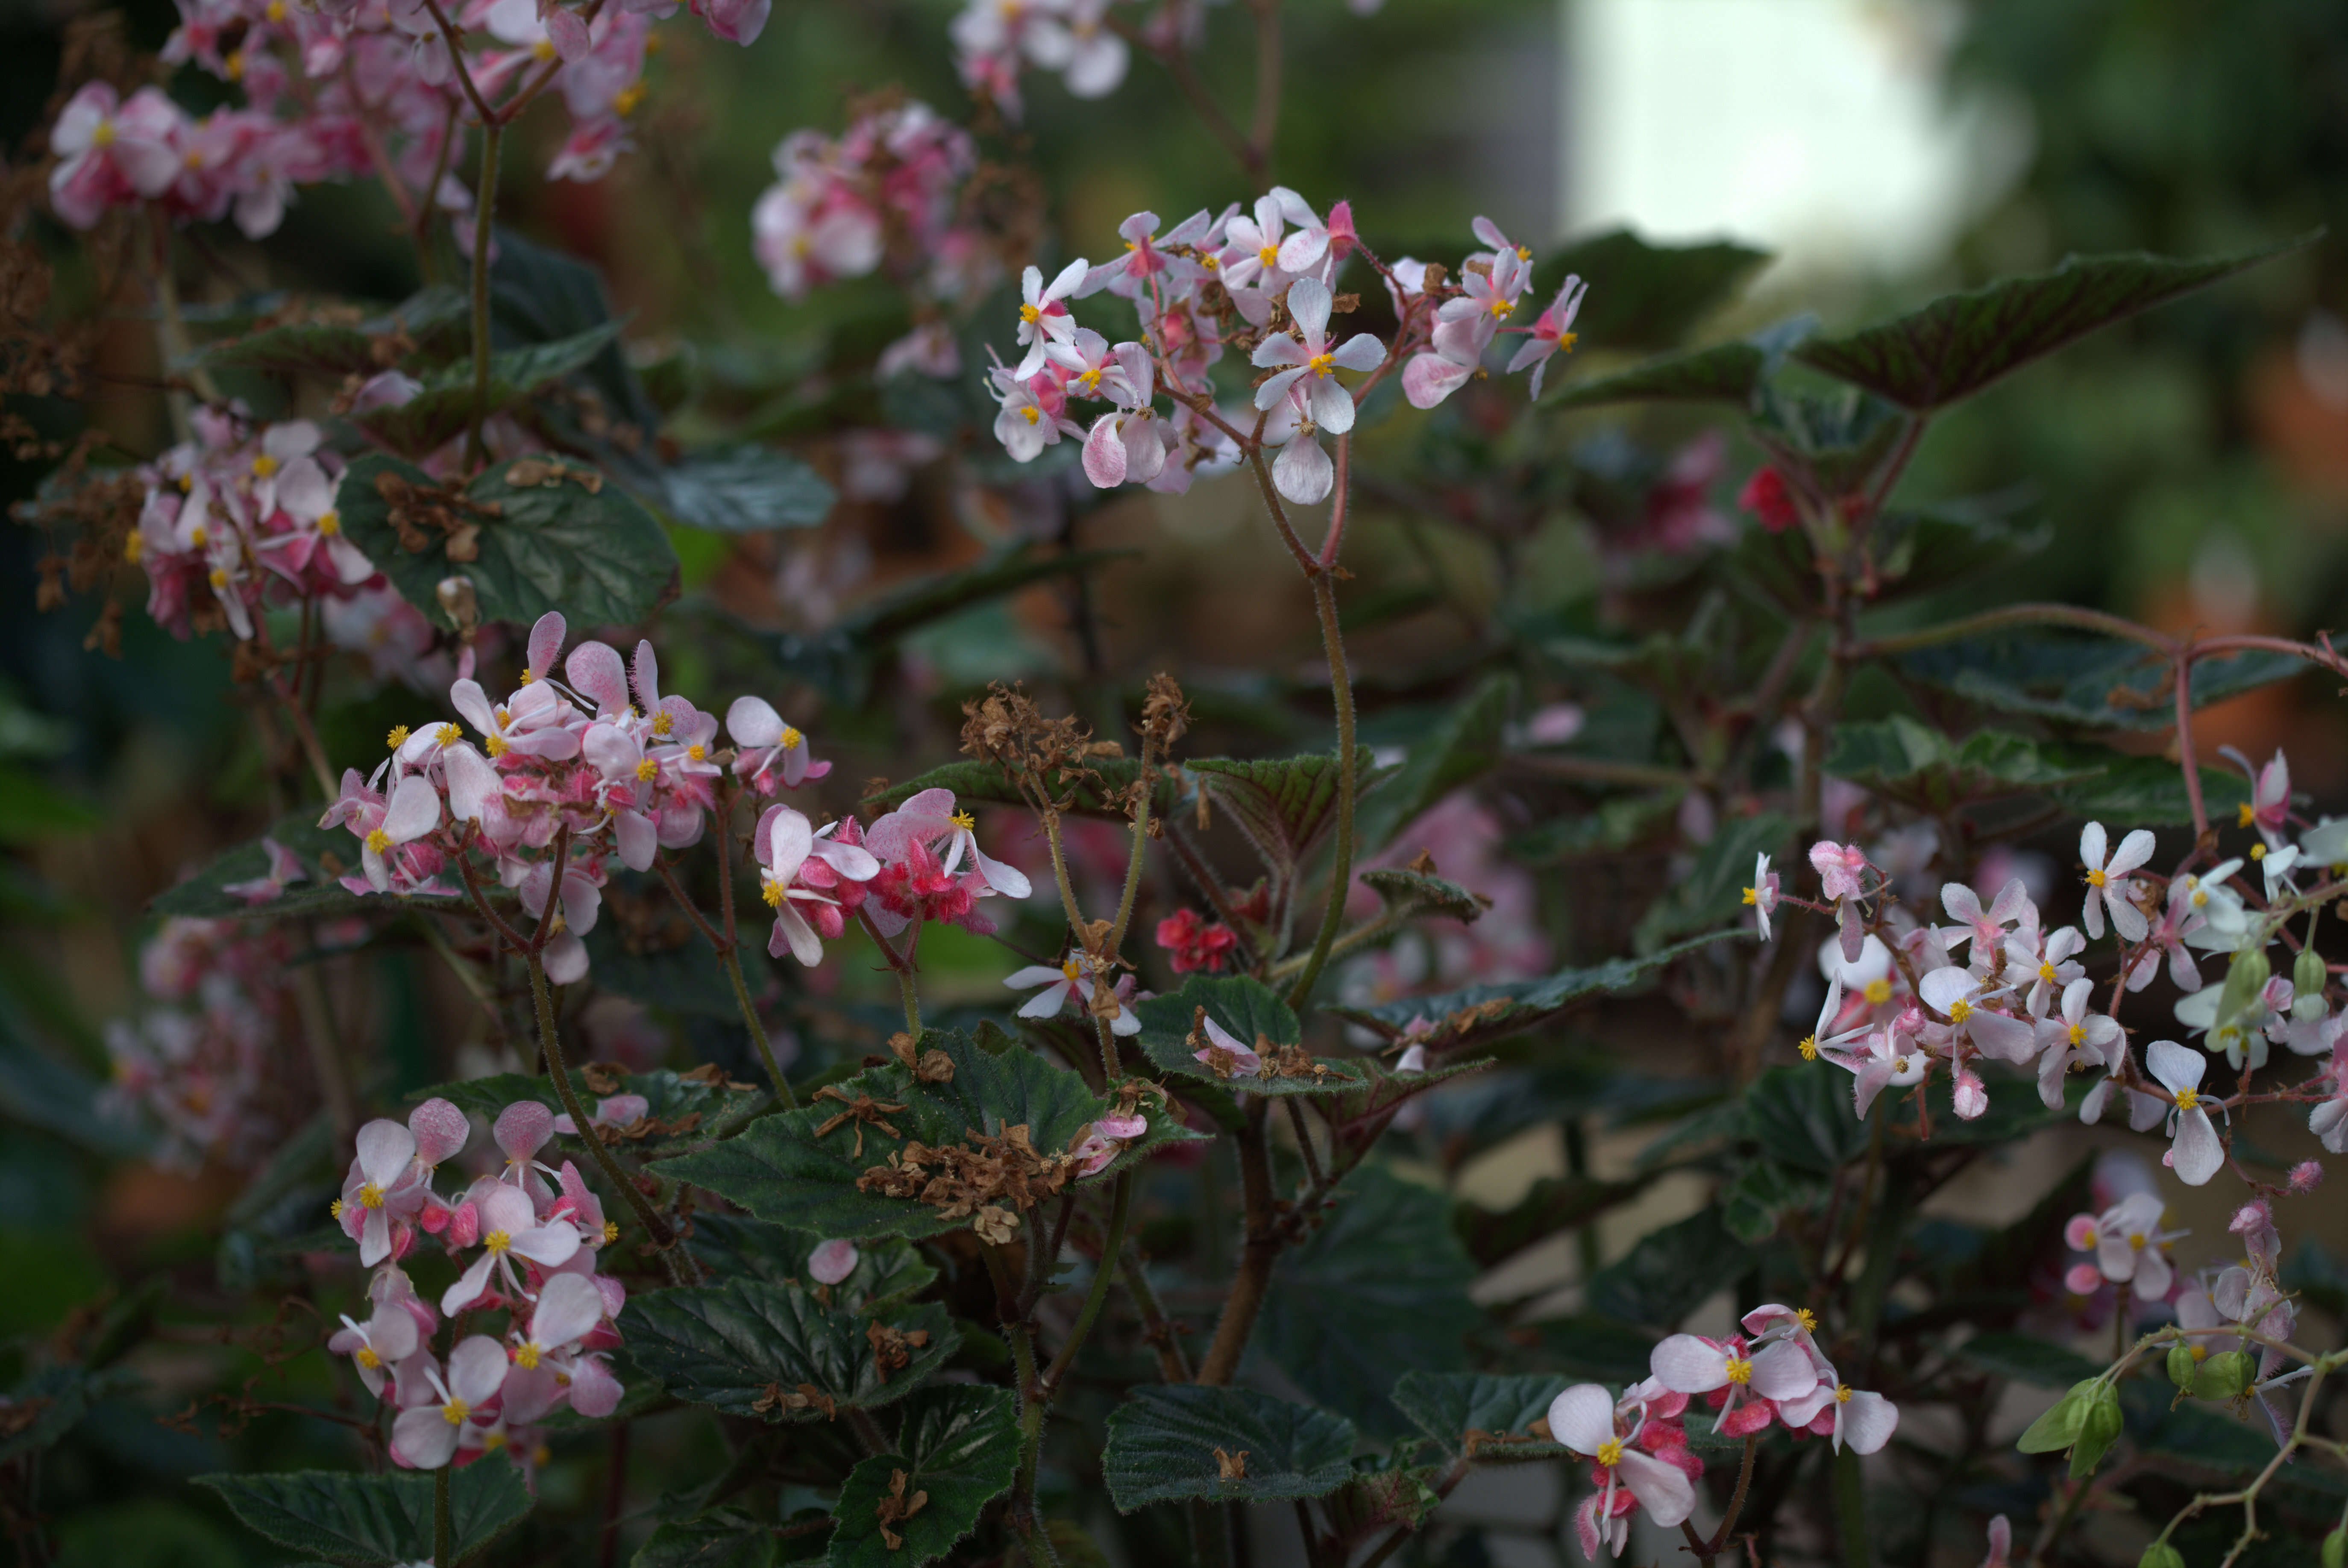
<point>2110,887</point>
<point>427,1437</point>
<point>2128,1245</point>
<point>1063,985</point>
<point>1551,334</point>
<point>1588,1419</point>
<point>2195,1151</point>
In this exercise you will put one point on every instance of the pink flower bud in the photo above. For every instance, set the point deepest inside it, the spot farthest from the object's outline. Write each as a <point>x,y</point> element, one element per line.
<point>2306,1176</point>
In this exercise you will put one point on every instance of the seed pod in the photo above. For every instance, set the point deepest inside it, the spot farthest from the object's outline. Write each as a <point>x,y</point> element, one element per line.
<point>2182,1365</point>
<point>2223,1375</point>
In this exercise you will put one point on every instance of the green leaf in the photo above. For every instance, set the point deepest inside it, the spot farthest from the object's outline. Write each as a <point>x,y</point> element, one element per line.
<point>540,296</point>
<point>2025,1358</point>
<point>1840,439</point>
<point>667,965</point>
<point>678,1109</point>
<point>1380,1289</point>
<point>730,1247</point>
<point>1753,1202</point>
<point>783,1169</point>
<point>1599,1349</point>
<point>1416,891</point>
<point>1712,891</point>
<point>1462,745</point>
<point>1449,1405</point>
<point>1802,1118</point>
<point>725,1343</point>
<point>721,1538</point>
<point>745,488</point>
<point>373,1519</point>
<point>443,407</point>
<point>32,809</point>
<point>1647,296</point>
<point>333,349</point>
<point>1554,1203</point>
<point>1250,1011</point>
<point>976,783</point>
<point>42,1090</point>
<point>1475,1014</point>
<point>1961,343</point>
<point>1919,768</point>
<point>1670,1273</point>
<point>321,892</point>
<point>2094,682</point>
<point>51,1402</point>
<point>958,1447</point>
<point>1723,373</point>
<point>1162,1442</point>
<point>596,555</point>
<point>1947,543</point>
<point>1285,806</point>
<point>2149,793</point>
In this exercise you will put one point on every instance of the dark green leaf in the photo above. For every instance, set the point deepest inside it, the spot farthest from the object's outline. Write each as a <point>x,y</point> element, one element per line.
<point>40,1089</point>
<point>1670,1273</point>
<point>321,892</point>
<point>745,488</point>
<point>31,809</point>
<point>1380,1289</point>
<point>1286,806</point>
<point>540,296</point>
<point>443,406</point>
<point>596,555</point>
<point>50,1403</point>
<point>721,1538</point>
<point>1644,295</point>
<point>1477,1013</point>
<point>672,967</point>
<point>1448,1406</point>
<point>2149,793</point>
<point>1945,544</point>
<point>731,1247</point>
<point>975,783</point>
<point>1755,1201</point>
<point>1802,1118</point>
<point>1961,343</point>
<point>958,1447</point>
<point>1723,373</point>
<point>1163,1440</point>
<point>2026,1358</point>
<point>1463,745</point>
<point>1598,1350</point>
<point>1416,891</point>
<point>1555,1204</point>
<point>373,1519</point>
<point>1252,1012</point>
<point>783,1169</point>
<point>725,1343</point>
<point>2093,683</point>
<point>1839,438</point>
<point>434,317</point>
<point>1712,891</point>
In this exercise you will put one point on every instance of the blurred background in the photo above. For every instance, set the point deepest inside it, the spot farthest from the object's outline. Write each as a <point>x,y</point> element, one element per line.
<point>2192,465</point>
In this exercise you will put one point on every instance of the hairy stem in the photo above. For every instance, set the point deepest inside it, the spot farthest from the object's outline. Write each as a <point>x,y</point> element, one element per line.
<point>484,201</point>
<point>1340,874</point>
<point>1173,1365</point>
<point>1112,1246</point>
<point>1258,1253</point>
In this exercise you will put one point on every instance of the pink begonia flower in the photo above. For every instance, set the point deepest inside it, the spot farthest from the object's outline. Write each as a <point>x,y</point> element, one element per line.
<point>2181,919</point>
<point>833,1261</point>
<point>929,349</point>
<point>1838,867</point>
<point>413,811</point>
<point>1302,471</point>
<point>2128,1245</point>
<point>930,817</point>
<point>1064,984</point>
<point>2001,1543</point>
<point>1969,1095</point>
<point>284,870</point>
<point>1303,249</point>
<point>110,153</point>
<point>521,1130</point>
<point>1090,56</point>
<point>426,1436</point>
<point>2109,889</point>
<point>2195,1152</point>
<point>1096,370</point>
<point>1043,318</point>
<point>1687,1364</point>
<point>1310,358</point>
<point>1823,1038</point>
<point>2045,965</point>
<point>2329,1119</point>
<point>736,21</point>
<point>380,1190</point>
<point>2074,1039</point>
<point>1761,898</point>
<point>1965,1000</point>
<point>1105,1140</point>
<point>1552,334</point>
<point>1586,1418</point>
<point>531,723</point>
<point>1983,928</point>
<point>386,1338</point>
<point>1888,1059</point>
<point>767,751</point>
<point>1024,425</point>
<point>569,1308</point>
<point>1146,257</point>
<point>612,1111</point>
<point>2305,1177</point>
<point>788,842</point>
<point>1223,1045</point>
<point>802,248</point>
<point>1249,264</point>
<point>510,1230</point>
<point>2269,808</point>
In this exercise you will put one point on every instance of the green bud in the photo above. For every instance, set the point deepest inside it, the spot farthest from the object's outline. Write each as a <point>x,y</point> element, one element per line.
<point>2099,1427</point>
<point>2182,1365</point>
<point>2059,1427</point>
<point>2307,974</point>
<point>2161,1554</point>
<point>2224,1375</point>
<point>2335,1547</point>
<point>2244,980</point>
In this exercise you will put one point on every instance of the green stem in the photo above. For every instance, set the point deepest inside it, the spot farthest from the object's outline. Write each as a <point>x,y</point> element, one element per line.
<point>1850,1511</point>
<point>1133,865</point>
<point>444,1551</point>
<point>485,201</point>
<point>1112,1244</point>
<point>2077,615</point>
<point>1341,875</point>
<point>731,957</point>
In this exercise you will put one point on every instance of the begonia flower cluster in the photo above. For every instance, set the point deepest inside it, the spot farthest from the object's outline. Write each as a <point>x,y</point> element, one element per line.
<point>201,1064</point>
<point>1263,282</point>
<point>527,1236</point>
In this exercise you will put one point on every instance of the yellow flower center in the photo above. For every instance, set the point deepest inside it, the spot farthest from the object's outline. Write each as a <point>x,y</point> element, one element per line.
<point>696,752</point>
<point>647,770</point>
<point>367,1359</point>
<point>2135,1240</point>
<point>1878,991</point>
<point>791,738</point>
<point>497,1241</point>
<point>2187,1099</point>
<point>370,1196</point>
<point>625,100</point>
<point>1900,1064</point>
<point>543,49</point>
<point>264,466</point>
<point>380,843</point>
<point>276,10</point>
<point>220,577</point>
<point>2244,815</point>
<point>1808,1048</point>
<point>663,722</point>
<point>493,1440</point>
<point>335,1208</point>
<point>2095,879</point>
<point>1069,968</point>
<point>1806,1319</point>
<point>1211,262</point>
<point>1842,1393</point>
<point>103,135</point>
<point>1030,314</point>
<point>2046,973</point>
<point>1323,365</point>
<point>2079,1034</point>
<point>447,735</point>
<point>1752,896</point>
<point>2258,851</point>
<point>529,675</point>
<point>1501,307</point>
<point>496,746</point>
<point>133,546</point>
<point>397,739</point>
<point>1960,1010</point>
<point>1610,1453</point>
<point>1566,340</point>
<point>964,820</point>
<point>1032,413</point>
<point>610,1230</point>
<point>235,64</point>
<point>455,1411</point>
<point>1739,1369</point>
<point>525,1356</point>
<point>199,536</point>
<point>1268,255</point>
<point>1090,379</point>
<point>772,891</point>
<point>330,522</point>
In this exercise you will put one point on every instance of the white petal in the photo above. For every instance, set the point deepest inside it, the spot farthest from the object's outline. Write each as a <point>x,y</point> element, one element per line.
<point>567,1307</point>
<point>2177,1066</point>
<point>2200,1155</point>
<point>1867,1421</point>
<point>384,1149</point>
<point>753,721</point>
<point>1663,1489</point>
<point>1582,1417</point>
<point>1687,1365</point>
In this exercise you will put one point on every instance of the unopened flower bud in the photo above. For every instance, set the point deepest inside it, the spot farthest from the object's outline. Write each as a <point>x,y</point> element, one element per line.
<point>458,602</point>
<point>2306,1176</point>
